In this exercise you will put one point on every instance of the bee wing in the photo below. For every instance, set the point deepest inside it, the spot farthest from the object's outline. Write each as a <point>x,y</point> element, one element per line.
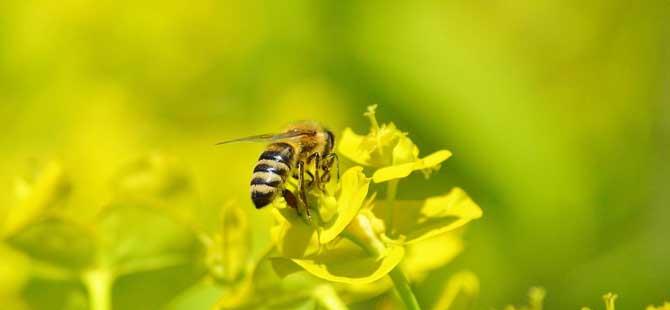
<point>267,137</point>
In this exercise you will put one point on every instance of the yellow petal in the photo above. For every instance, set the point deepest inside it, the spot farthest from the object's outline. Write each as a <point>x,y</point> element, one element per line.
<point>352,268</point>
<point>352,146</point>
<point>50,186</point>
<point>414,221</point>
<point>464,284</point>
<point>284,266</point>
<point>609,299</point>
<point>393,172</point>
<point>430,254</point>
<point>405,151</point>
<point>293,237</point>
<point>353,190</point>
<point>399,171</point>
<point>665,306</point>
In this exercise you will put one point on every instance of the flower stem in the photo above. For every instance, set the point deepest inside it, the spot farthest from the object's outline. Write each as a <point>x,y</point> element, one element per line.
<point>391,191</point>
<point>404,290</point>
<point>397,276</point>
<point>99,285</point>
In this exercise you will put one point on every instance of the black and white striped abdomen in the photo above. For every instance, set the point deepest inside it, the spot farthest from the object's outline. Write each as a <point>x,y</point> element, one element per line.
<point>271,171</point>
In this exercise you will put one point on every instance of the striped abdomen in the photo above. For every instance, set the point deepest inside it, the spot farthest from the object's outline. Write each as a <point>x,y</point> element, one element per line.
<point>271,171</point>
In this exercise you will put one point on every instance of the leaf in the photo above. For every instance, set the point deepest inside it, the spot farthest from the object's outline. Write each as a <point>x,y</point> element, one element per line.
<point>416,221</point>
<point>156,175</point>
<point>14,269</point>
<point>154,289</point>
<point>349,264</point>
<point>136,238</point>
<point>143,249</point>
<point>58,242</point>
<point>228,251</point>
<point>44,293</point>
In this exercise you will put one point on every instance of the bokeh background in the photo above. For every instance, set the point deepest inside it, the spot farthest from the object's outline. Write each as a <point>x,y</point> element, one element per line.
<point>557,112</point>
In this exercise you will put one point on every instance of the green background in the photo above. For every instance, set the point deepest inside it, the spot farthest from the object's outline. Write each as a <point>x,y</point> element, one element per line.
<point>557,112</point>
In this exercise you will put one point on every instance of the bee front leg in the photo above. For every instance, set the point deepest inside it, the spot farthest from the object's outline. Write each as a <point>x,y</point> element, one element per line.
<point>311,180</point>
<point>302,189</point>
<point>328,162</point>
<point>317,163</point>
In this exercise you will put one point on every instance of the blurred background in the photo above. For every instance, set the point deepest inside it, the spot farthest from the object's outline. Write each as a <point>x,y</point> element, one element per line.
<point>557,112</point>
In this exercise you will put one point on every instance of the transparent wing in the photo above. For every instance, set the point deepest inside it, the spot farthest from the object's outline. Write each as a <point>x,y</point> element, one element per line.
<point>268,137</point>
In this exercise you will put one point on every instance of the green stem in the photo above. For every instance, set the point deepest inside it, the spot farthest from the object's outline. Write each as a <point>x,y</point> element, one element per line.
<point>397,276</point>
<point>391,191</point>
<point>361,233</point>
<point>404,290</point>
<point>99,285</point>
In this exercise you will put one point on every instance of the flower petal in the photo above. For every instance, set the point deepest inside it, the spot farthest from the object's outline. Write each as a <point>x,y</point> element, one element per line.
<point>49,187</point>
<point>349,264</point>
<point>293,237</point>
<point>353,147</point>
<point>463,284</point>
<point>429,254</point>
<point>414,221</point>
<point>353,190</point>
<point>427,163</point>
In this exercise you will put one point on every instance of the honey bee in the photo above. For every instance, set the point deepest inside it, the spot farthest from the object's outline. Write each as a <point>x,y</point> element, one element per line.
<point>303,149</point>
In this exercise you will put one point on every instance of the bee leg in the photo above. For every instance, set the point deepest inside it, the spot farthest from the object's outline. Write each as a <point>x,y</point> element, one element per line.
<point>311,181</point>
<point>317,163</point>
<point>333,159</point>
<point>291,200</point>
<point>301,188</point>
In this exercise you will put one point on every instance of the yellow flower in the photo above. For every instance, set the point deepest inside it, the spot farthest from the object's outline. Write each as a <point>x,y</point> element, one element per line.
<point>464,284</point>
<point>36,196</point>
<point>389,150</point>
<point>535,300</point>
<point>319,248</point>
<point>357,241</point>
<point>609,299</point>
<point>665,306</point>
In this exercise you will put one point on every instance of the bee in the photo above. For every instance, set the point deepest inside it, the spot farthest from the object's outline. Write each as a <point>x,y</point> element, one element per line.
<point>303,149</point>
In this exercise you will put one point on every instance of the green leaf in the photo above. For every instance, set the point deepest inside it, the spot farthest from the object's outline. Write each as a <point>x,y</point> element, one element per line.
<point>143,249</point>
<point>154,289</point>
<point>135,238</point>
<point>58,242</point>
<point>416,221</point>
<point>228,250</point>
<point>156,175</point>
<point>14,269</point>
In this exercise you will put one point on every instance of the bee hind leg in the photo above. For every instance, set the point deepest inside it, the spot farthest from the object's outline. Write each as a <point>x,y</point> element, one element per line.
<point>291,200</point>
